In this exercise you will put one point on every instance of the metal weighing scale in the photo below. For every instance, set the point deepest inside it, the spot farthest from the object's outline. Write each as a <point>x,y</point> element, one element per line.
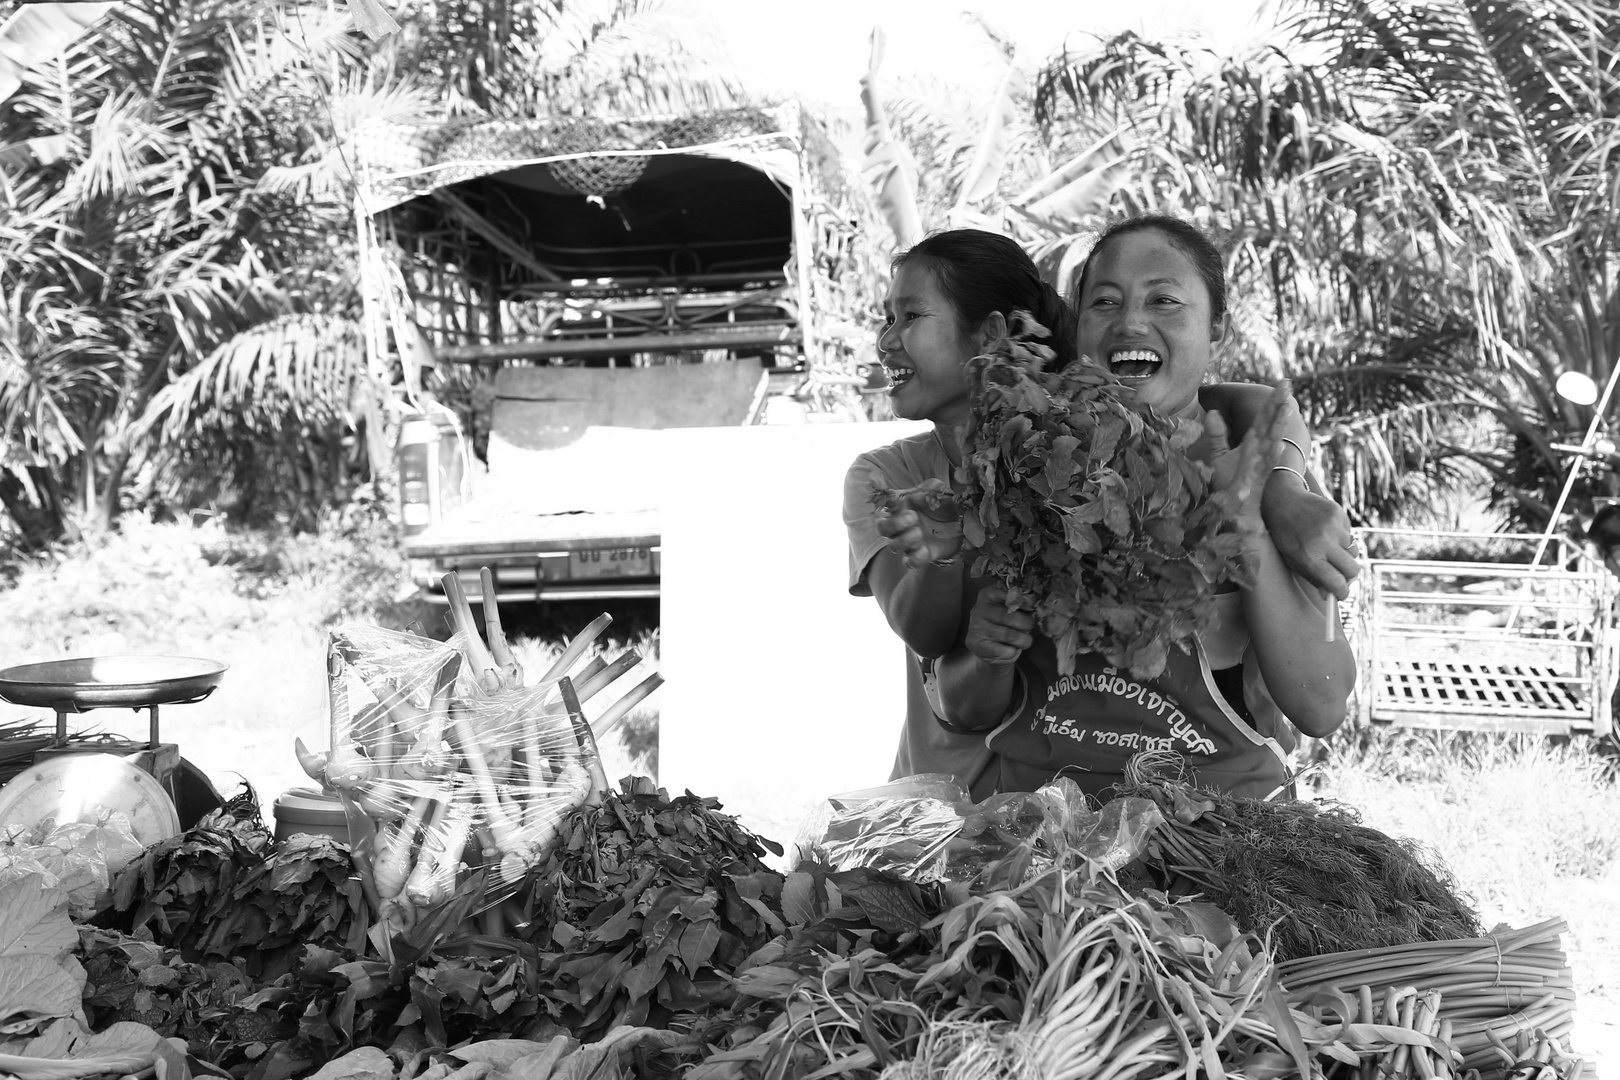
<point>159,790</point>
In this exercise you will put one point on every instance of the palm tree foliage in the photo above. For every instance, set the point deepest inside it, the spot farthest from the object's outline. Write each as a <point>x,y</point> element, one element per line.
<point>179,283</point>
<point>1420,211</point>
<point>167,237</point>
<point>521,58</point>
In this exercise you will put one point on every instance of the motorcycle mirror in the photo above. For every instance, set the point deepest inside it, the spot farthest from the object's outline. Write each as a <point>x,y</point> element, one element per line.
<point>1576,387</point>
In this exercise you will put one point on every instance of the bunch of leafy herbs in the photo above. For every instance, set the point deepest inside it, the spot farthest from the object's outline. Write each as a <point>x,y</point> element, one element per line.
<point>645,907</point>
<point>212,1006</point>
<point>224,890</point>
<point>1314,879</point>
<point>1087,507</point>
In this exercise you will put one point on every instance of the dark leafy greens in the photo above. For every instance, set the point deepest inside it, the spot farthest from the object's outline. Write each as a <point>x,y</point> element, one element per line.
<point>1088,508</point>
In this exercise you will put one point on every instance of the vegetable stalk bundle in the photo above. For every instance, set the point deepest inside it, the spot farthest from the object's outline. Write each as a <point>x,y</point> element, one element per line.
<point>1502,1000</point>
<point>1066,976</point>
<point>455,774</point>
<point>1089,509</point>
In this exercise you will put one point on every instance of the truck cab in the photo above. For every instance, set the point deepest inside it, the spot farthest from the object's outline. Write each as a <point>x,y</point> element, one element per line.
<point>551,295</point>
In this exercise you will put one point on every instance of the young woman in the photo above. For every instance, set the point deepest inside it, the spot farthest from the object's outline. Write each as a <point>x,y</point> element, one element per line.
<point>949,300</point>
<point>1152,302</point>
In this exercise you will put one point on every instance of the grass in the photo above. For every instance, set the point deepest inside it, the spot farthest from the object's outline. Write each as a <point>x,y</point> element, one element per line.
<point>1527,827</point>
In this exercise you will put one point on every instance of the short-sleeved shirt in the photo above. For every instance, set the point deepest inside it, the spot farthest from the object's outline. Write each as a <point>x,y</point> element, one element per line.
<point>926,746</point>
<point>1087,724</point>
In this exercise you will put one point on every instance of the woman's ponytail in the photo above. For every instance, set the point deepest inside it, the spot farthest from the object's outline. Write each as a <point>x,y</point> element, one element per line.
<point>1060,322</point>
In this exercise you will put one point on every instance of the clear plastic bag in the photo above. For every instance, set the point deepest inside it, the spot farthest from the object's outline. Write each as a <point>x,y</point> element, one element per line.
<point>81,857</point>
<point>926,828</point>
<point>446,780</point>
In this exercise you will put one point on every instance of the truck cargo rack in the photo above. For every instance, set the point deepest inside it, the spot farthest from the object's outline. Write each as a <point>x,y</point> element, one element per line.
<point>1484,645</point>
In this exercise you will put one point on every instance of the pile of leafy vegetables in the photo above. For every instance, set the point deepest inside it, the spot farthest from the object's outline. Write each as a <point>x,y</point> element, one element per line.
<point>646,907</point>
<point>45,1033</point>
<point>655,943</point>
<point>1088,508</point>
<point>643,911</point>
<point>225,890</point>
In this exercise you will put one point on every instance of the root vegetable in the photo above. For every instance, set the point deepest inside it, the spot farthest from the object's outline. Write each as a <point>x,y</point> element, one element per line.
<point>546,815</point>
<point>485,673</point>
<point>511,670</point>
<point>588,688</point>
<point>427,759</point>
<point>616,712</point>
<point>576,648</point>
<point>395,842</point>
<point>500,825</point>
<point>313,764</point>
<point>591,757</point>
<point>349,769</point>
<point>370,728</point>
<point>433,880</point>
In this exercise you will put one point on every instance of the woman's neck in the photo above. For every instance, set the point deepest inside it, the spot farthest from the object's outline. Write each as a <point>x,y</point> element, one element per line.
<point>949,438</point>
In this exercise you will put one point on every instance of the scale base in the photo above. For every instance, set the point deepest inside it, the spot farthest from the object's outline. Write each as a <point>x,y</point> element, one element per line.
<point>192,792</point>
<point>161,760</point>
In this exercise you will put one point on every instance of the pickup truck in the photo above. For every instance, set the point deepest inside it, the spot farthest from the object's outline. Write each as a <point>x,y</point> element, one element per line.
<point>573,288</point>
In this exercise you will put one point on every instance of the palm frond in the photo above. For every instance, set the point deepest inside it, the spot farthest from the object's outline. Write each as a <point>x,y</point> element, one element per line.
<point>296,367</point>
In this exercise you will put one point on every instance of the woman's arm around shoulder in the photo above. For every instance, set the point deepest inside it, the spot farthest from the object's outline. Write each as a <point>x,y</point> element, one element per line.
<point>1308,670</point>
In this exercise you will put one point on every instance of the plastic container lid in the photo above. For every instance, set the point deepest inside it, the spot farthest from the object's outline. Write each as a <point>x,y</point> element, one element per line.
<point>306,806</point>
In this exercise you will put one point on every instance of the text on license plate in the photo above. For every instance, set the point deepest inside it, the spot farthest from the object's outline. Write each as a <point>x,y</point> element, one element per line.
<point>610,562</point>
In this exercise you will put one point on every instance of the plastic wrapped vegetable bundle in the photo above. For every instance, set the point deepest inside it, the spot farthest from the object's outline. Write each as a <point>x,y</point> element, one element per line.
<point>455,775</point>
<point>926,828</point>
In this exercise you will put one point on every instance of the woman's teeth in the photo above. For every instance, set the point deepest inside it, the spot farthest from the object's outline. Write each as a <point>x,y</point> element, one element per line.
<point>898,376</point>
<point>1134,363</point>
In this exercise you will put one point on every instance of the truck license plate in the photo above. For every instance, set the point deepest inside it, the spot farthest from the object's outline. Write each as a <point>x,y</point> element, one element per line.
<point>610,562</point>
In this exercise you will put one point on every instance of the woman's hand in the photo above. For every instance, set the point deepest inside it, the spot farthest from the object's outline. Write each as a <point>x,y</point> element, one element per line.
<point>1312,532</point>
<point>922,524</point>
<point>996,634</point>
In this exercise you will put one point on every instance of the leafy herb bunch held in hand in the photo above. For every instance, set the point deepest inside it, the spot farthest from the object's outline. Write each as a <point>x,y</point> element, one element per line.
<point>1152,308</point>
<point>1087,509</point>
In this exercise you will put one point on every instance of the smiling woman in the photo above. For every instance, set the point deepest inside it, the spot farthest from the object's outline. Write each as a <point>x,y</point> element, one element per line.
<point>952,297</point>
<point>1152,306</point>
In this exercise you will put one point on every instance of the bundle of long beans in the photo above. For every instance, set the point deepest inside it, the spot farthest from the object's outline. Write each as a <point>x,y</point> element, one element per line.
<point>1503,1001</point>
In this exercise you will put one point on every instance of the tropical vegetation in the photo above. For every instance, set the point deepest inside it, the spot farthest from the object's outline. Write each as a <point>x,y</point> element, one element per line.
<point>1417,199</point>
<point>177,250</point>
<point>1417,202</point>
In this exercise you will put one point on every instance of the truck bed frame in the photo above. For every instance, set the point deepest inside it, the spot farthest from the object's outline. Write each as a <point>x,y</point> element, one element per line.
<point>1484,645</point>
